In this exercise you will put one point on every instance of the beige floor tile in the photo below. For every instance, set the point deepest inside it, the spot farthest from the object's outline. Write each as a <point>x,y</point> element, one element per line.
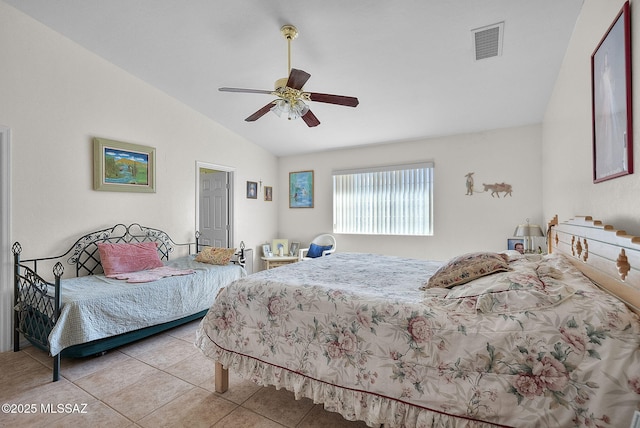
<point>244,418</point>
<point>36,419</point>
<point>71,368</point>
<point>279,405</point>
<point>21,375</point>
<point>196,408</point>
<point>114,378</point>
<point>196,369</point>
<point>153,343</point>
<point>320,418</point>
<point>186,332</point>
<point>136,395</point>
<point>150,393</point>
<point>173,351</point>
<point>240,390</point>
<point>10,357</point>
<point>95,415</point>
<point>200,370</point>
<point>76,368</point>
<point>43,401</point>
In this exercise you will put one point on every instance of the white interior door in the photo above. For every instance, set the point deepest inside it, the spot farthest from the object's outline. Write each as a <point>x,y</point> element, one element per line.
<point>214,224</point>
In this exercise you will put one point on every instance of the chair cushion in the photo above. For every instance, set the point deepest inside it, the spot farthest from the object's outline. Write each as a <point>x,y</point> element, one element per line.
<point>316,250</point>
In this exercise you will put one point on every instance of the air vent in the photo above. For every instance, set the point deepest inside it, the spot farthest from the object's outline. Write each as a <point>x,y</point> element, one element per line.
<point>487,41</point>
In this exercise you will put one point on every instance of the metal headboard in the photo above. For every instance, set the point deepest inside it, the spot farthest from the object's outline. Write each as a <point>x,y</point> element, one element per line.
<point>84,254</point>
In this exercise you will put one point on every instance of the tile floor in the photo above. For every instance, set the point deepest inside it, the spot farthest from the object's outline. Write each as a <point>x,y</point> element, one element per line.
<point>162,381</point>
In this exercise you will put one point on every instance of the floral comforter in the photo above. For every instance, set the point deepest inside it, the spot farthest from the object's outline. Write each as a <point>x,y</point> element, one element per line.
<point>536,346</point>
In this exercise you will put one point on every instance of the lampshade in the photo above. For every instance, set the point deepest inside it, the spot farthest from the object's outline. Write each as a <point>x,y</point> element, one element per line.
<point>528,231</point>
<point>292,109</point>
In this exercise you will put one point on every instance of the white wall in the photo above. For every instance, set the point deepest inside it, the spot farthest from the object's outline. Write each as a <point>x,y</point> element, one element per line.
<point>56,96</point>
<point>461,223</point>
<point>567,166</point>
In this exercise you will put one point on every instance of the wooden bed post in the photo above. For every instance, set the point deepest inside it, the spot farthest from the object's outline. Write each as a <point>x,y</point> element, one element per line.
<point>222,378</point>
<point>552,222</point>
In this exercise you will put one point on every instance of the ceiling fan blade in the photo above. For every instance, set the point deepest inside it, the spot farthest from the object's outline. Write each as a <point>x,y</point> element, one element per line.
<point>250,91</point>
<point>257,115</point>
<point>333,99</point>
<point>310,119</point>
<point>297,78</point>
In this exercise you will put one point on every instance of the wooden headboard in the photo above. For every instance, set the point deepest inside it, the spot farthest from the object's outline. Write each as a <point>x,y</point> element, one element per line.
<point>607,256</point>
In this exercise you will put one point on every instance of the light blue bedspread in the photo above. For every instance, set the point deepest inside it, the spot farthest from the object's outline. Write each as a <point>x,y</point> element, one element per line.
<point>95,307</point>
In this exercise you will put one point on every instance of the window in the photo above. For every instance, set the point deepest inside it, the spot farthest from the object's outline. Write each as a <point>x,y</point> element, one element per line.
<point>393,200</point>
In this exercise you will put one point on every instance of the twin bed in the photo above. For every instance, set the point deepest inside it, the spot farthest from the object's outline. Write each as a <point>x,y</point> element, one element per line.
<point>484,340</point>
<point>142,292</point>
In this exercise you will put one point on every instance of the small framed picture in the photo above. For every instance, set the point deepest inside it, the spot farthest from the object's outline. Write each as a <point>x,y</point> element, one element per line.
<point>266,250</point>
<point>252,190</point>
<point>516,244</point>
<point>280,247</point>
<point>268,193</point>
<point>293,248</point>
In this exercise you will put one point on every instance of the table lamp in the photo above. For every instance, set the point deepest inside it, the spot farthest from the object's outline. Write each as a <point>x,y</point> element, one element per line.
<point>528,231</point>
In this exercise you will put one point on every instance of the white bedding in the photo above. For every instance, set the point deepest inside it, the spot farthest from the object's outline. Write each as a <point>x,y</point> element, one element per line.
<point>95,307</point>
<point>536,346</point>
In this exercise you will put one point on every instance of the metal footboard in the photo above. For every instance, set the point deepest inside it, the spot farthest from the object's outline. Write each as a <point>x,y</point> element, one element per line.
<point>36,305</point>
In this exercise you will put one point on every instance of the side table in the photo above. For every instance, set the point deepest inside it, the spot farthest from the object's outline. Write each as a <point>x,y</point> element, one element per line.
<point>275,261</point>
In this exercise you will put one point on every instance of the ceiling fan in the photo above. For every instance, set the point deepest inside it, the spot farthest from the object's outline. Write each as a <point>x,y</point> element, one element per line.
<point>292,99</point>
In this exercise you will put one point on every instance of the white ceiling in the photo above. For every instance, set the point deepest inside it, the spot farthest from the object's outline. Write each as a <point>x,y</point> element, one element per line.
<point>409,62</point>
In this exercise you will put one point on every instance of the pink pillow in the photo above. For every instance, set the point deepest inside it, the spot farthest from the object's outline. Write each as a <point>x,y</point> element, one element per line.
<point>125,258</point>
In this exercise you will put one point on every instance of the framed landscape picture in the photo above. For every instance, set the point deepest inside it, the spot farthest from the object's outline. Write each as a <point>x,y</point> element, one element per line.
<point>123,167</point>
<point>301,189</point>
<point>611,101</point>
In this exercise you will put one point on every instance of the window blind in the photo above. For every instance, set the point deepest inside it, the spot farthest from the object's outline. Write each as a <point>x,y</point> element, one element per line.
<point>390,200</point>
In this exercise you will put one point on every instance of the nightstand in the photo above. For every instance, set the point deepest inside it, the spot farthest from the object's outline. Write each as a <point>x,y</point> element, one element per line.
<point>275,261</point>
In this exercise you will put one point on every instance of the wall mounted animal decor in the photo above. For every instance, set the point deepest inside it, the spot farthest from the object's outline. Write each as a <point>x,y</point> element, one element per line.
<point>495,189</point>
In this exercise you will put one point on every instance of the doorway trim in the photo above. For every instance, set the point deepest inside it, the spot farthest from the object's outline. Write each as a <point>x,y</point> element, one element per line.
<point>231,172</point>
<point>6,280</point>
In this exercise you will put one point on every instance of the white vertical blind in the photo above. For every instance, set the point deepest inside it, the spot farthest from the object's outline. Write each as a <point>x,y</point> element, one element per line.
<point>393,200</point>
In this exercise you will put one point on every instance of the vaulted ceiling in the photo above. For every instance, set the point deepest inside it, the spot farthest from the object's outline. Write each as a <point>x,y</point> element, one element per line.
<point>411,63</point>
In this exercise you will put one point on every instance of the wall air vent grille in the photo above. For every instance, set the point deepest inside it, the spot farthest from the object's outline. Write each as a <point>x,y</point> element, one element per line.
<point>487,41</point>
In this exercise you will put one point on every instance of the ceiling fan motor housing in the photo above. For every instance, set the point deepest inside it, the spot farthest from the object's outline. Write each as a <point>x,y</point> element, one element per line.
<point>281,83</point>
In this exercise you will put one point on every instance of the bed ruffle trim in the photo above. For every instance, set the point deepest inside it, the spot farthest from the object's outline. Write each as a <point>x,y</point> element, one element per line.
<point>374,410</point>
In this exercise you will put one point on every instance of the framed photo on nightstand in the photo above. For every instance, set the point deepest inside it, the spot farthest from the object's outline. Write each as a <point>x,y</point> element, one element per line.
<point>515,244</point>
<point>266,250</point>
<point>293,248</point>
<point>280,247</point>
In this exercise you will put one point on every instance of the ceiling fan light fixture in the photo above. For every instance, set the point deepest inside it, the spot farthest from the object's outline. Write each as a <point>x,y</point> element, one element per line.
<point>290,109</point>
